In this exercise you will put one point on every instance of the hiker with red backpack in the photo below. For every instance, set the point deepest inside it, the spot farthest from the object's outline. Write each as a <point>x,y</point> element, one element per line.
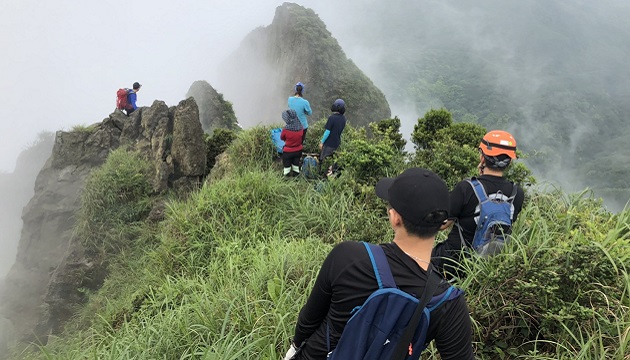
<point>482,208</point>
<point>126,98</point>
<point>385,301</point>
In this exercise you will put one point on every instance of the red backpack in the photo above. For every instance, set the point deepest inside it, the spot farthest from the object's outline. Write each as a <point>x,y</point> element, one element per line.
<point>122,99</point>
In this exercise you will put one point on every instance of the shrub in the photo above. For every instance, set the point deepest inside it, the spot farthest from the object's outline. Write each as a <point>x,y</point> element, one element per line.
<point>252,149</point>
<point>115,196</point>
<point>216,144</point>
<point>389,129</point>
<point>367,161</point>
<point>427,127</point>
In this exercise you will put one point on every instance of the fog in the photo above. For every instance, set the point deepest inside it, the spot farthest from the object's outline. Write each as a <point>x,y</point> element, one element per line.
<point>62,61</point>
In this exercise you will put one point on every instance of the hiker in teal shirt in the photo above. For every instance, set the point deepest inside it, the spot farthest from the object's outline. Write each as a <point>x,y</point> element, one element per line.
<point>301,107</point>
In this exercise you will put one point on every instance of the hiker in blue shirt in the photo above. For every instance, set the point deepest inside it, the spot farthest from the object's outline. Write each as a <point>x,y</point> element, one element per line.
<point>301,107</point>
<point>132,98</point>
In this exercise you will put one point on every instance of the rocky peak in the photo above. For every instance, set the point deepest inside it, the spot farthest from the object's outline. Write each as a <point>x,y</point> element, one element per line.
<point>214,111</point>
<point>260,75</point>
<point>42,288</point>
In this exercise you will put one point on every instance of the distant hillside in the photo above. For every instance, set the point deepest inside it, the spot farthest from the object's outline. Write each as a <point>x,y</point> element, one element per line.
<point>554,73</point>
<point>260,75</point>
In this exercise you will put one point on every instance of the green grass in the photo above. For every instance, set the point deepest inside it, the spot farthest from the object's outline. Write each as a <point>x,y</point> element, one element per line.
<point>82,128</point>
<point>226,273</point>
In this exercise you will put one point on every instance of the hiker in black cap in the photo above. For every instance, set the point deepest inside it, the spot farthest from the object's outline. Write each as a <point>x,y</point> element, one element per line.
<point>418,208</point>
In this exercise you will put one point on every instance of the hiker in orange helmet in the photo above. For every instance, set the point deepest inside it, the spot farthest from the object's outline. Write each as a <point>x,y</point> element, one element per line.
<point>497,149</point>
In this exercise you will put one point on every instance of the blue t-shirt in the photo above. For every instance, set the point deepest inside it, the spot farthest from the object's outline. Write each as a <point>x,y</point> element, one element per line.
<point>302,108</point>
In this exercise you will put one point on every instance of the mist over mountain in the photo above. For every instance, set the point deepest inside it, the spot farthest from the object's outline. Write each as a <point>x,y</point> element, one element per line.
<point>260,75</point>
<point>553,73</point>
<point>214,111</point>
<point>16,189</point>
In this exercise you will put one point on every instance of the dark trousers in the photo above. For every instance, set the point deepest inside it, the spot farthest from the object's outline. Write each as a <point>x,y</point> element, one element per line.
<point>291,158</point>
<point>129,111</point>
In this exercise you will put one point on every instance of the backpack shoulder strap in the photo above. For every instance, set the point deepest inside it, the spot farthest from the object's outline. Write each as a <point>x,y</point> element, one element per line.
<point>451,293</point>
<point>433,280</point>
<point>478,188</point>
<point>514,192</point>
<point>380,265</point>
<point>461,235</point>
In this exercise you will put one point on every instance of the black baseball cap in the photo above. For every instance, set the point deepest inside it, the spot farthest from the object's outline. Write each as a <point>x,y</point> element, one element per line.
<point>418,195</point>
<point>137,85</point>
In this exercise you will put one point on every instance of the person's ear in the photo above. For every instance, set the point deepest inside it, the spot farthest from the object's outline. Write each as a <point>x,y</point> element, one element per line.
<point>394,218</point>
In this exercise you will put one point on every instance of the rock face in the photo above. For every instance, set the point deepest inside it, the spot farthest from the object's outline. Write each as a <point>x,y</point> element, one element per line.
<point>16,189</point>
<point>214,111</point>
<point>260,75</point>
<point>42,288</point>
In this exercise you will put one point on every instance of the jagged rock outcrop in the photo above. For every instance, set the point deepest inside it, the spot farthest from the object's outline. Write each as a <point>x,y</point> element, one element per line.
<point>43,287</point>
<point>214,111</point>
<point>260,75</point>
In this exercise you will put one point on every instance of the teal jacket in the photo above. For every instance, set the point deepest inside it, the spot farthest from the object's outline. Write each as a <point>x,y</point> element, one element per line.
<point>302,108</point>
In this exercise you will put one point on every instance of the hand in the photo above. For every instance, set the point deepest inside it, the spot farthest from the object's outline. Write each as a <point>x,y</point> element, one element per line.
<point>321,146</point>
<point>291,353</point>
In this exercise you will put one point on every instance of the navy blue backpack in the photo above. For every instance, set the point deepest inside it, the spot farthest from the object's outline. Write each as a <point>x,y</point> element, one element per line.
<point>310,166</point>
<point>375,330</point>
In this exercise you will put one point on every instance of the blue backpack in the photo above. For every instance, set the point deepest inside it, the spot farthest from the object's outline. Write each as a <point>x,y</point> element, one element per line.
<point>495,219</point>
<point>376,328</point>
<point>310,167</point>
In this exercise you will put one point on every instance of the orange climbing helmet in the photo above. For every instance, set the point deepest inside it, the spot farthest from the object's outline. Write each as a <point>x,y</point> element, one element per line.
<point>498,142</point>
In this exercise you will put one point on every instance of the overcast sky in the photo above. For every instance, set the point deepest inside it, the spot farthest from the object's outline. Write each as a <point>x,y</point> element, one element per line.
<point>62,61</point>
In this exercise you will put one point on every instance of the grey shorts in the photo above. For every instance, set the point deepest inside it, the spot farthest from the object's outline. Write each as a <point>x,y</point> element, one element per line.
<point>326,152</point>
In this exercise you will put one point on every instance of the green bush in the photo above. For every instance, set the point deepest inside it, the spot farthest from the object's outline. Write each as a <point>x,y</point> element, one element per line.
<point>389,129</point>
<point>452,161</point>
<point>451,150</point>
<point>252,150</point>
<point>116,196</point>
<point>216,144</point>
<point>368,161</point>
<point>427,127</point>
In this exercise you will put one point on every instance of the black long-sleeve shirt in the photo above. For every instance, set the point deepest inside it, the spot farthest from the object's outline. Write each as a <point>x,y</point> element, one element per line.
<point>464,207</point>
<point>347,279</point>
<point>464,204</point>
